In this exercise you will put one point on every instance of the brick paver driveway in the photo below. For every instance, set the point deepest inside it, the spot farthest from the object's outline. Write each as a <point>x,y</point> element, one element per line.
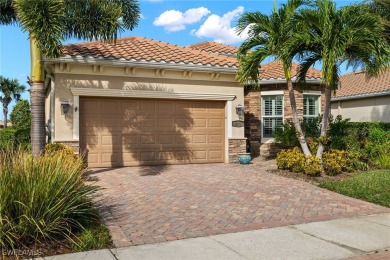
<point>154,204</point>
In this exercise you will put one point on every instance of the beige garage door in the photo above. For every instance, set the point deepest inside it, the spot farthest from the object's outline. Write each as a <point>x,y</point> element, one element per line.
<point>127,132</point>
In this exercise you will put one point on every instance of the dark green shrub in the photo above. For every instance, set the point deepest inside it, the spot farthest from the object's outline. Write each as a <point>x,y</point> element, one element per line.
<point>338,130</point>
<point>22,138</point>
<point>287,135</point>
<point>312,127</point>
<point>7,138</point>
<point>41,198</point>
<point>21,115</point>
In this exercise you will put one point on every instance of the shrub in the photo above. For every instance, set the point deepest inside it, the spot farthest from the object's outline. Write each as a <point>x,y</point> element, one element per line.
<point>383,161</point>
<point>312,127</point>
<point>287,135</point>
<point>54,148</point>
<point>293,160</point>
<point>7,138</point>
<point>312,166</point>
<point>41,198</point>
<point>338,130</point>
<point>21,115</point>
<point>282,159</point>
<point>338,161</point>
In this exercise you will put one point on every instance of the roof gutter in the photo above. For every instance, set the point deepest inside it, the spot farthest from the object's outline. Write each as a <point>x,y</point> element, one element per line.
<point>284,81</point>
<point>143,64</point>
<point>377,94</point>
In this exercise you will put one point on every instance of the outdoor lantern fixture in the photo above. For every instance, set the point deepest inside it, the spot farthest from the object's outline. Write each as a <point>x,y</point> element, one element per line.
<point>65,106</point>
<point>240,111</point>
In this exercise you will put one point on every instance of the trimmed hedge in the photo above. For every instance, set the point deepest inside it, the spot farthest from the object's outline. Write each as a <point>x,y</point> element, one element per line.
<point>14,137</point>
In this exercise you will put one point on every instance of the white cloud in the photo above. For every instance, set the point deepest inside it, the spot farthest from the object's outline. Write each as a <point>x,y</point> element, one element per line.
<point>173,20</point>
<point>220,28</point>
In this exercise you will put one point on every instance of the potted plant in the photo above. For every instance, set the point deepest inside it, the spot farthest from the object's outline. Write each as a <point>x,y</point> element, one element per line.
<point>244,158</point>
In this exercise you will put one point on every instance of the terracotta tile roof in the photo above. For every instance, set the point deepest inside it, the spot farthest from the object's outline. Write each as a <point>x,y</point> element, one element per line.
<point>356,83</point>
<point>144,49</point>
<point>274,70</point>
<point>214,47</point>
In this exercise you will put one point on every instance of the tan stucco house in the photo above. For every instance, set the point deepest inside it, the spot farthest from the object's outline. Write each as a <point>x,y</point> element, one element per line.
<point>363,99</point>
<point>146,102</point>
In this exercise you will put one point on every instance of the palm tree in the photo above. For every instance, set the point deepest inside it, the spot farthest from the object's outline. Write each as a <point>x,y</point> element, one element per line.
<point>49,23</point>
<point>10,90</point>
<point>332,36</point>
<point>382,8</point>
<point>267,35</point>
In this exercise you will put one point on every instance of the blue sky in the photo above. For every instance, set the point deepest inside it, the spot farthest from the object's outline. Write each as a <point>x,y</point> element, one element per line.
<point>179,22</point>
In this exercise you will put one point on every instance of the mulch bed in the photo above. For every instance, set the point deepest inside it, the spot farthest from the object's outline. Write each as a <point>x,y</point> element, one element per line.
<point>312,180</point>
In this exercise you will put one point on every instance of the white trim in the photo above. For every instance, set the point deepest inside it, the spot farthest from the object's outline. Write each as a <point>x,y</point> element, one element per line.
<point>229,119</point>
<point>284,81</point>
<point>272,93</point>
<point>150,94</point>
<point>76,121</point>
<point>368,95</point>
<point>52,107</point>
<point>64,140</point>
<point>312,92</point>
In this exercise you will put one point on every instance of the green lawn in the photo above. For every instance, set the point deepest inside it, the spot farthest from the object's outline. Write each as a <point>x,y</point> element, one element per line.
<point>372,186</point>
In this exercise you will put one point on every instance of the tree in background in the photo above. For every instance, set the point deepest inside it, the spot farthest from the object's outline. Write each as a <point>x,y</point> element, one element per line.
<point>49,23</point>
<point>21,115</point>
<point>10,89</point>
<point>334,36</point>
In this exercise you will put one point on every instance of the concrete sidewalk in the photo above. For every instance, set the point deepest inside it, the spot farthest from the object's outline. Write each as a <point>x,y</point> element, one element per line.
<point>336,239</point>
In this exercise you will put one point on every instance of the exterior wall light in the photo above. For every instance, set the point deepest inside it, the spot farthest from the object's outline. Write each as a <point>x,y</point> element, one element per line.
<point>240,110</point>
<point>65,106</point>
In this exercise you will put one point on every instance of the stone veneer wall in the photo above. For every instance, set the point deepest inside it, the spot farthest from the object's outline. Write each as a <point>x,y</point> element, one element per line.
<point>236,146</point>
<point>252,99</point>
<point>252,104</point>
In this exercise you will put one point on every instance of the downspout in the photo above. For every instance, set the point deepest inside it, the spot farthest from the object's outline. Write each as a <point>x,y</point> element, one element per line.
<point>52,106</point>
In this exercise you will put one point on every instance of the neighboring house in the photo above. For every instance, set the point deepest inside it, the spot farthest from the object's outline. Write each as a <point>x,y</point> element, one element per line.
<point>363,99</point>
<point>145,102</point>
<point>9,124</point>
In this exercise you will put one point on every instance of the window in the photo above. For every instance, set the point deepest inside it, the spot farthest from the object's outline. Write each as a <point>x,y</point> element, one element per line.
<point>310,107</point>
<point>272,114</point>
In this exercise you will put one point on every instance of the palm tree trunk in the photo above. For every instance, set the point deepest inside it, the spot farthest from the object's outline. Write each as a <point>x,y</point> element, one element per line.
<point>38,131</point>
<point>37,99</point>
<point>301,136</point>
<point>325,121</point>
<point>5,112</point>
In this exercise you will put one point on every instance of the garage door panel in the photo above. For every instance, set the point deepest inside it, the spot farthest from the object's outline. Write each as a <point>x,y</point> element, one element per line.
<point>147,107</point>
<point>168,123</point>
<point>110,107</point>
<point>129,139</point>
<point>129,132</point>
